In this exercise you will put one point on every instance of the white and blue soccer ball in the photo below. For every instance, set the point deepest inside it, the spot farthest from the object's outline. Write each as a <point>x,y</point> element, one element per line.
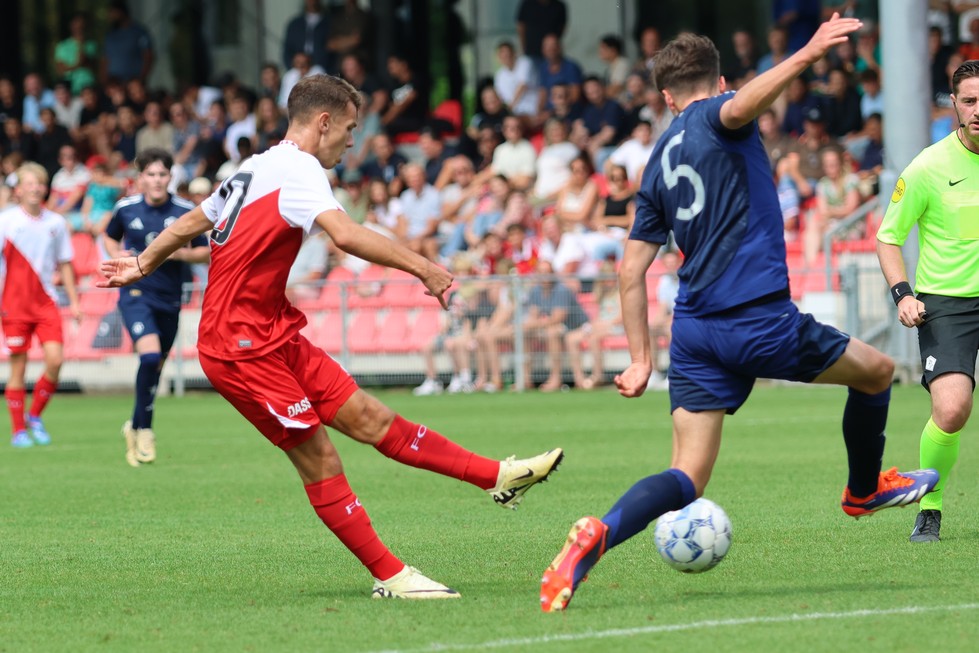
<point>695,538</point>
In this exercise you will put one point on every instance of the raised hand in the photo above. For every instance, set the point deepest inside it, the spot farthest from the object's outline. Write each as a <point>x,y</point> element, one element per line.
<point>834,31</point>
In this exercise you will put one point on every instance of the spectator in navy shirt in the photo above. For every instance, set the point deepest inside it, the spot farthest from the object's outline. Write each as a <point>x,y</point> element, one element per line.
<point>604,119</point>
<point>128,52</point>
<point>308,32</point>
<point>535,20</point>
<point>385,162</point>
<point>558,69</point>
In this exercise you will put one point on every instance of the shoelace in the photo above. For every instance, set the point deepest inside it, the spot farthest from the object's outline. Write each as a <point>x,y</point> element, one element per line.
<point>929,525</point>
<point>891,478</point>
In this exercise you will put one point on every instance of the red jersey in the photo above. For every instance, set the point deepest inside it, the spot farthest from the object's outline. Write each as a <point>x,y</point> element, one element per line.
<point>261,216</point>
<point>32,247</point>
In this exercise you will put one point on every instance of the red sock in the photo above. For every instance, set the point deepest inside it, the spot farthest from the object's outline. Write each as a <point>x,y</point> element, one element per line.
<point>43,390</point>
<point>15,404</point>
<point>340,509</point>
<point>418,446</point>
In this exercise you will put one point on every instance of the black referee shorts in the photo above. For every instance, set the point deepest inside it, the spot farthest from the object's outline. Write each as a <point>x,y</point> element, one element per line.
<point>949,337</point>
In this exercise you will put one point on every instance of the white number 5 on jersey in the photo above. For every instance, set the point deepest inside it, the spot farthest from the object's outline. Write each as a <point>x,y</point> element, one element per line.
<point>672,177</point>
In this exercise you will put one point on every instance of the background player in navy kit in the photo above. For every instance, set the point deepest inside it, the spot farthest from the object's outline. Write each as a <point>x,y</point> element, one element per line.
<point>709,181</point>
<point>150,307</point>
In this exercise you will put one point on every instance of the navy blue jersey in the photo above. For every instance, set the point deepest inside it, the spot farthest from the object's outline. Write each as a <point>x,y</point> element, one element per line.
<point>713,188</point>
<point>135,224</point>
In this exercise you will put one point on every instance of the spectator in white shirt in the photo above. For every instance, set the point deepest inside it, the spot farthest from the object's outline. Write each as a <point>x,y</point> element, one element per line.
<point>242,125</point>
<point>634,153</point>
<point>302,66</point>
<point>554,162</point>
<point>515,158</point>
<point>617,67</point>
<point>516,81</point>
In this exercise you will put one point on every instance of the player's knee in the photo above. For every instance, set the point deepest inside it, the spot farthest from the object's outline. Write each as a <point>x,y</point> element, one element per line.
<point>951,417</point>
<point>883,373</point>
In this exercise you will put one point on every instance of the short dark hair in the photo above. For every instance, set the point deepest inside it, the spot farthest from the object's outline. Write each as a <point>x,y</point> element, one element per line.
<point>150,156</point>
<point>612,41</point>
<point>688,62</point>
<point>966,70</point>
<point>506,44</point>
<point>317,93</point>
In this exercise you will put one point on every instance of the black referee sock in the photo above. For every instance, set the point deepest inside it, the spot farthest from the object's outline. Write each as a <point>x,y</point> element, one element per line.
<point>864,419</point>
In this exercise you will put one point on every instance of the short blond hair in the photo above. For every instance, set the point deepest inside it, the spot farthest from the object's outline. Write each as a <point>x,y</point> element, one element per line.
<point>31,168</point>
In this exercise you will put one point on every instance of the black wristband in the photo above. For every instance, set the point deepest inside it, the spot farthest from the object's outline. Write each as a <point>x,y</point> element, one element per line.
<point>140,267</point>
<point>900,290</point>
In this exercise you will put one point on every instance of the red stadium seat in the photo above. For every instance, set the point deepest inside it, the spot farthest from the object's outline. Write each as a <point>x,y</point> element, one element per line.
<point>362,334</point>
<point>451,112</point>
<point>424,328</point>
<point>97,302</point>
<point>86,258</point>
<point>392,336</point>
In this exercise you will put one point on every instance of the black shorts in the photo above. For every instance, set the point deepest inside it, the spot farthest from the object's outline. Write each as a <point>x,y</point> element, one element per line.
<point>949,337</point>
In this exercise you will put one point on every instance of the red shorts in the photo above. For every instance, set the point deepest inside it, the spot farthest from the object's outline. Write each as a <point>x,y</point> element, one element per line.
<point>286,393</point>
<point>17,332</point>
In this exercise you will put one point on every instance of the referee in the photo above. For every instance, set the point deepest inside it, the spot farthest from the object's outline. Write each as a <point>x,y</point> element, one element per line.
<point>939,191</point>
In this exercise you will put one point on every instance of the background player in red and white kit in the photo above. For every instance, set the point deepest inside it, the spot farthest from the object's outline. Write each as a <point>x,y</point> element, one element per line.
<point>35,243</point>
<point>251,349</point>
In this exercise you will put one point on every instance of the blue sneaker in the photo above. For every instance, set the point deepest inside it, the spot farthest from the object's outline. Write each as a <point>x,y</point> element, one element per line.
<point>894,489</point>
<point>38,432</point>
<point>21,440</point>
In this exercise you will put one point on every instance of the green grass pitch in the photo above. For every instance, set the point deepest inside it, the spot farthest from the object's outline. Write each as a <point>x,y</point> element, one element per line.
<point>215,548</point>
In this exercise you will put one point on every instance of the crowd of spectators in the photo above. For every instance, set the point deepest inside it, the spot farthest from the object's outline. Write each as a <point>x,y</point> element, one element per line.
<point>541,177</point>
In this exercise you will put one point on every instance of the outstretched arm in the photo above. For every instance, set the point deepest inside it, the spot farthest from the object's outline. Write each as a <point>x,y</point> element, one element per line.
<point>124,271</point>
<point>756,96</point>
<point>372,246</point>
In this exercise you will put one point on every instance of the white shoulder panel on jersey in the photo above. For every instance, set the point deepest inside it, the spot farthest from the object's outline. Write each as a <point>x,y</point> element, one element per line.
<point>306,193</point>
<point>182,203</point>
<point>127,201</point>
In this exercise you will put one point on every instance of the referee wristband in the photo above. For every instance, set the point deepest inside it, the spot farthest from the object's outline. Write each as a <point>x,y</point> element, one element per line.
<point>900,290</point>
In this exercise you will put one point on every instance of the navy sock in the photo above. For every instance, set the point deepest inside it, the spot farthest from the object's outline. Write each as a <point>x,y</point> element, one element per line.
<point>147,378</point>
<point>864,419</point>
<point>645,501</point>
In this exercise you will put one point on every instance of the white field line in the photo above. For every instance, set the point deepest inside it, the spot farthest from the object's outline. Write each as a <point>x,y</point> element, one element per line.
<point>670,628</point>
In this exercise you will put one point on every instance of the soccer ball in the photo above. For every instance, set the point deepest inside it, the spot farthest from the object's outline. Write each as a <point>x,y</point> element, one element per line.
<point>695,538</point>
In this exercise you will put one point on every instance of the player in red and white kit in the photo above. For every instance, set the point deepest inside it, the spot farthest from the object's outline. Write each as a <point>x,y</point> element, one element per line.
<point>251,349</point>
<point>35,243</point>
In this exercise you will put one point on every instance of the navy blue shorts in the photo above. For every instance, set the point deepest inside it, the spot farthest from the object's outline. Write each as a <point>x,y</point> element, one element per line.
<point>141,319</point>
<point>715,360</point>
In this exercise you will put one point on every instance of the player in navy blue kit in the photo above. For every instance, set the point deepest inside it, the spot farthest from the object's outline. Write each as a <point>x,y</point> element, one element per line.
<point>708,180</point>
<point>151,306</point>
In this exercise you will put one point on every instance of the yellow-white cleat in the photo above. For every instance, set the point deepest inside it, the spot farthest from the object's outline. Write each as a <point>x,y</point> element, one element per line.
<point>409,583</point>
<point>518,476</point>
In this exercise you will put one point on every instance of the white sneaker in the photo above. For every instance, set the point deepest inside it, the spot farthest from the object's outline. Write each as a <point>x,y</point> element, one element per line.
<point>657,381</point>
<point>145,445</point>
<point>409,583</point>
<point>456,385</point>
<point>518,476</point>
<point>428,387</point>
<point>129,433</point>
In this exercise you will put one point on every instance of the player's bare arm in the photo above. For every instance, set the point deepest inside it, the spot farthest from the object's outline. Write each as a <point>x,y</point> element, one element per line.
<point>68,281</point>
<point>124,271</point>
<point>758,94</point>
<point>639,255</point>
<point>910,311</point>
<point>371,246</point>
<point>201,254</point>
